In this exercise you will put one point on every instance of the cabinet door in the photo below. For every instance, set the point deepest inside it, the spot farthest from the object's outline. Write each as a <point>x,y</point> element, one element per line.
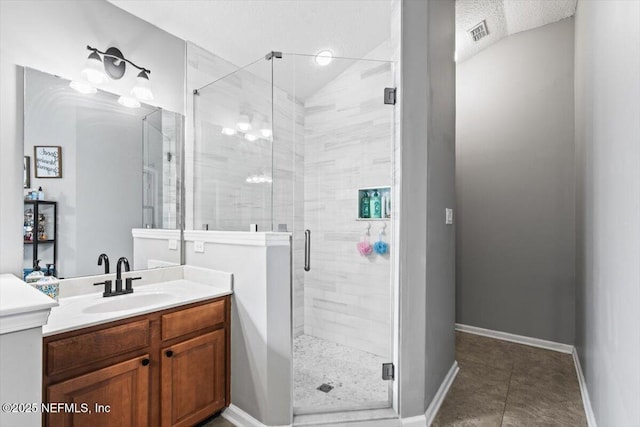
<point>193,379</point>
<point>114,396</point>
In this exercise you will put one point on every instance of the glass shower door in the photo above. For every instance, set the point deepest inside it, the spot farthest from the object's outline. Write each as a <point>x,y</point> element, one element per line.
<point>233,151</point>
<point>161,130</point>
<point>333,147</point>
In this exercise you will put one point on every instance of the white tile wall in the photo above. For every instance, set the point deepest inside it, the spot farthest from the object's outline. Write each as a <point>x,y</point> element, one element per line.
<point>348,145</point>
<point>339,140</point>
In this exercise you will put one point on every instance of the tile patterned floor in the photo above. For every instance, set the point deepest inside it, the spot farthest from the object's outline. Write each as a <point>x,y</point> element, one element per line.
<point>355,375</point>
<point>217,422</point>
<point>511,385</point>
<point>502,384</point>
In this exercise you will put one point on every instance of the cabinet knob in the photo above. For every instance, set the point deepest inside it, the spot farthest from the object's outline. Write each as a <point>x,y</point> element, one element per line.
<point>145,362</point>
<point>168,353</point>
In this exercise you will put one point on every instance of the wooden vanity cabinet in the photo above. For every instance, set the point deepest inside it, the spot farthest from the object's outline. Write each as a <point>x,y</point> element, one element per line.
<point>167,368</point>
<point>118,392</point>
<point>192,379</point>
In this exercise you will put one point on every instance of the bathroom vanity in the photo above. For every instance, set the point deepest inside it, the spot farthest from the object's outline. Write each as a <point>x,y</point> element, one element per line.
<point>157,357</point>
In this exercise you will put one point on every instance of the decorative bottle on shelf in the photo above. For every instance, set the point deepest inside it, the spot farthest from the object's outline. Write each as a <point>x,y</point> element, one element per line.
<point>28,225</point>
<point>364,205</point>
<point>375,205</point>
<point>40,194</point>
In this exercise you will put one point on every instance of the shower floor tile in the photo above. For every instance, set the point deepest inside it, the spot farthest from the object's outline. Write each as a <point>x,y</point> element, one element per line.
<point>355,376</point>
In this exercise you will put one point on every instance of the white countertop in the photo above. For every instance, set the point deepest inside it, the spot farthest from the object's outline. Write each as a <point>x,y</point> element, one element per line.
<point>21,305</point>
<point>17,296</point>
<point>93,309</point>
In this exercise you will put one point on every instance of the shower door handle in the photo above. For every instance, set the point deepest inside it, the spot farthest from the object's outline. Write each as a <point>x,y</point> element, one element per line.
<point>307,250</point>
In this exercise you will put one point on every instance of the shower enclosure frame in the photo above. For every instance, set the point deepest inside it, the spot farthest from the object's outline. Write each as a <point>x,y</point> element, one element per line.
<point>393,223</point>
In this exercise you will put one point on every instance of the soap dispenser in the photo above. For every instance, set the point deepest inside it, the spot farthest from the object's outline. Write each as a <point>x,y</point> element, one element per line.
<point>36,274</point>
<point>375,205</point>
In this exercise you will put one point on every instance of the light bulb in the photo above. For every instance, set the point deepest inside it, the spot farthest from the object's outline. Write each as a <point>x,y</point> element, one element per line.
<point>244,124</point>
<point>324,58</point>
<point>129,102</point>
<point>266,133</point>
<point>228,131</point>
<point>82,87</point>
<point>249,137</point>
<point>142,89</point>
<point>94,70</point>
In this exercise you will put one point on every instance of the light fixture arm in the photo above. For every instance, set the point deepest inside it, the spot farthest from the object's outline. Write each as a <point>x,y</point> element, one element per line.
<point>93,49</point>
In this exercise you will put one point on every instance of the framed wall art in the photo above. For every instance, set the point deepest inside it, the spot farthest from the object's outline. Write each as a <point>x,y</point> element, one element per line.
<point>47,161</point>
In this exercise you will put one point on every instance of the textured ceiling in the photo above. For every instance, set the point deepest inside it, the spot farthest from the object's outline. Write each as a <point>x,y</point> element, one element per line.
<point>241,31</point>
<point>503,18</point>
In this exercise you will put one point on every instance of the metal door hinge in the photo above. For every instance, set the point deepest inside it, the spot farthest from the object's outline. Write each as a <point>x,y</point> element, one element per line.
<point>273,54</point>
<point>388,371</point>
<point>390,95</point>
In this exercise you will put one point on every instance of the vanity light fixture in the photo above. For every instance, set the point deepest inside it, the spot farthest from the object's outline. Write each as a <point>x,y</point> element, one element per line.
<point>82,87</point>
<point>113,64</point>
<point>228,131</point>
<point>249,137</point>
<point>324,57</point>
<point>244,123</point>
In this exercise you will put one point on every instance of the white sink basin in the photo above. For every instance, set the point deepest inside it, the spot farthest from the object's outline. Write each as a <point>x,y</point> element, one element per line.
<point>160,289</point>
<point>128,302</point>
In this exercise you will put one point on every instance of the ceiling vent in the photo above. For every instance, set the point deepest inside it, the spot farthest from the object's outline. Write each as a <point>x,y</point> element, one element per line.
<point>479,31</point>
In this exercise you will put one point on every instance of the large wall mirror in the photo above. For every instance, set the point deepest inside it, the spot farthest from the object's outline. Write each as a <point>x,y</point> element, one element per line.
<point>107,173</point>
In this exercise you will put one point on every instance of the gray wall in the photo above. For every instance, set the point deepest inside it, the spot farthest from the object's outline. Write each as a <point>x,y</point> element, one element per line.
<point>441,137</point>
<point>427,276</point>
<point>515,185</point>
<point>607,97</point>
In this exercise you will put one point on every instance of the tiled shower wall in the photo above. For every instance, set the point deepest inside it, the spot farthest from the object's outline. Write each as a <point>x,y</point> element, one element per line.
<point>339,140</point>
<point>348,145</point>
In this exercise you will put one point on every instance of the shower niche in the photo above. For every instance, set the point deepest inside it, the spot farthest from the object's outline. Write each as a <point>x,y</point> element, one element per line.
<point>374,204</point>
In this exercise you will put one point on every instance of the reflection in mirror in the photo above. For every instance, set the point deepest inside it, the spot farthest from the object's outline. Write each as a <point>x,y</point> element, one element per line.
<point>121,177</point>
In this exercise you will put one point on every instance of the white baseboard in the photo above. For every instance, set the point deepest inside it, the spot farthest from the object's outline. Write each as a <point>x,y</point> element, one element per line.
<point>437,400</point>
<point>237,416</point>
<point>586,401</point>
<point>419,421</point>
<point>519,339</point>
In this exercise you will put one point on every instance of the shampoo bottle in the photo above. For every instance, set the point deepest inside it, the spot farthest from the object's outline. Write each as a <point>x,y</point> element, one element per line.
<point>375,205</point>
<point>365,206</point>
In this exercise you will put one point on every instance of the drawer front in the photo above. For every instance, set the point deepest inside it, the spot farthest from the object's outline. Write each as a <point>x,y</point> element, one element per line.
<point>192,319</point>
<point>81,350</point>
